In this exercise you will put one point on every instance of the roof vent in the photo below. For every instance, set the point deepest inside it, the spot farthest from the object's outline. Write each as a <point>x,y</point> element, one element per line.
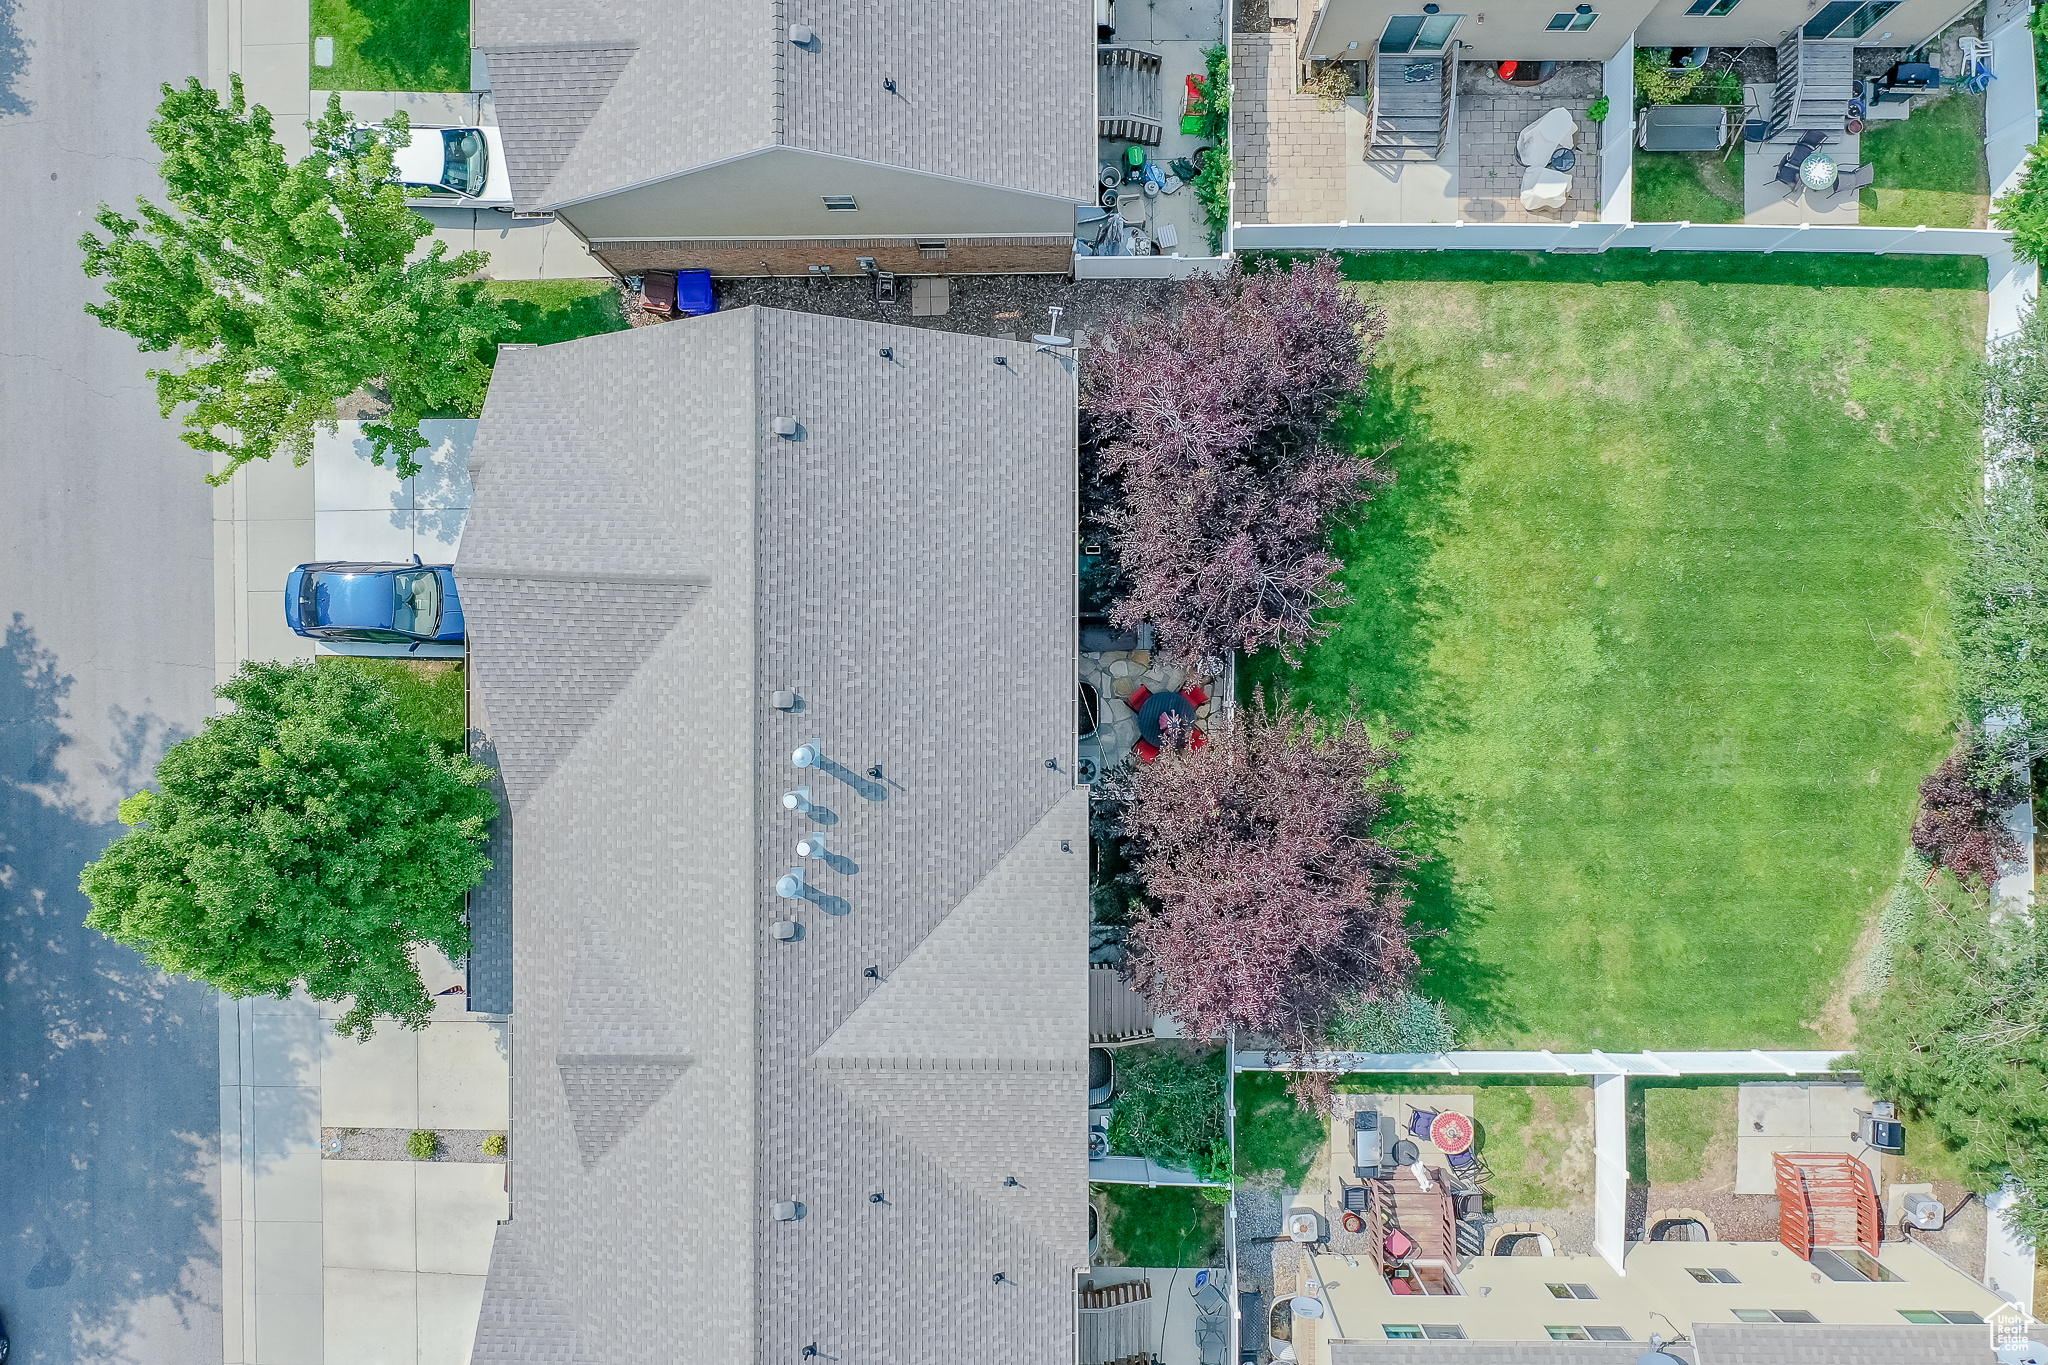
<point>811,846</point>
<point>782,700</point>
<point>790,885</point>
<point>797,799</point>
<point>811,755</point>
<point>786,930</point>
<point>785,426</point>
<point>789,1211</point>
<point>802,35</point>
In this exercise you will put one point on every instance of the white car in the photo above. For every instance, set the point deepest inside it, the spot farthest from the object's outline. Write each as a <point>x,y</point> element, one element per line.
<point>461,168</point>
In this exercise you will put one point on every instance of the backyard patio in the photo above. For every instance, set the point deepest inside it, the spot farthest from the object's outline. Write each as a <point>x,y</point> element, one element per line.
<point>1492,114</point>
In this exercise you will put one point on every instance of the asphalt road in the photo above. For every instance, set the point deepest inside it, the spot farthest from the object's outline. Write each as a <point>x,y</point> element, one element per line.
<point>109,1106</point>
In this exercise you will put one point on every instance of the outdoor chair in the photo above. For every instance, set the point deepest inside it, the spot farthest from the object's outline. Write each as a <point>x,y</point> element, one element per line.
<point>1810,139</point>
<point>1356,1198</point>
<point>1400,1245</point>
<point>1853,178</point>
<point>1419,1121</point>
<point>1195,694</point>
<point>1136,701</point>
<point>1146,750</point>
<point>1197,739</point>
<point>1467,1164</point>
<point>1788,173</point>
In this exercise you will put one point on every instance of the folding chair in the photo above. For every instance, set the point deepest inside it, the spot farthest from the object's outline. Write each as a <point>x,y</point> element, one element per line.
<point>1788,173</point>
<point>1853,178</point>
<point>1419,1121</point>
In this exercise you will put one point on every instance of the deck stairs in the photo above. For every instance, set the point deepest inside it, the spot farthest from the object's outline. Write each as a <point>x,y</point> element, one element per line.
<point>1815,84</point>
<point>1411,108</point>
<point>1128,103</point>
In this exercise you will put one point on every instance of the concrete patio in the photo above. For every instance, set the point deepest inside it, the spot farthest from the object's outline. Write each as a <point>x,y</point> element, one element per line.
<point>1491,116</point>
<point>1765,200</point>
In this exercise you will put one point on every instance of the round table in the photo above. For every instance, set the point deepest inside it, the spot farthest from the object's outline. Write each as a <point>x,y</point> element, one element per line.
<point>1452,1133</point>
<point>1818,171</point>
<point>1158,707</point>
<point>1406,1153</point>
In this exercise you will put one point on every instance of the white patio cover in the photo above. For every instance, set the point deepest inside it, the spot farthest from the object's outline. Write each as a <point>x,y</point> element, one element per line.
<point>1543,188</point>
<point>1543,137</point>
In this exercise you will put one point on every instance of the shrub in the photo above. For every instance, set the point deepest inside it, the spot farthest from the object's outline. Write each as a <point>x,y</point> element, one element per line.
<point>2016,386</point>
<point>1659,85</point>
<point>1596,112</point>
<point>1961,802</point>
<point>1400,1021</point>
<point>1169,1109</point>
<point>494,1145</point>
<point>1960,1037</point>
<point>2023,210</point>
<point>1331,84</point>
<point>423,1145</point>
<point>1208,427</point>
<point>1270,898</point>
<point>1212,191</point>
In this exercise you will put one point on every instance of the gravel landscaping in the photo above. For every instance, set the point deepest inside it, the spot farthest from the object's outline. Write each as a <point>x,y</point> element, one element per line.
<point>388,1144</point>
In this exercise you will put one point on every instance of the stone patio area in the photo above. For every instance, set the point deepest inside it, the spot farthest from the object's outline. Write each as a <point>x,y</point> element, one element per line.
<point>1492,114</point>
<point>1289,155</point>
<point>1115,674</point>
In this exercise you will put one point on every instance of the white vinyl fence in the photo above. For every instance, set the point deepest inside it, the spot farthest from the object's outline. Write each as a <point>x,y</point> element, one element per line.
<point>1592,237</point>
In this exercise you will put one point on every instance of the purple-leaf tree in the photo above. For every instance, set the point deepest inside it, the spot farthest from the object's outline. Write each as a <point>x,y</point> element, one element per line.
<point>1208,423</point>
<point>1269,894</point>
<point>1962,804</point>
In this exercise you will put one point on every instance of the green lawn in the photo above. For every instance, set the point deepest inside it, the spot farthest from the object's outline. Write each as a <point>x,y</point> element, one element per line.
<point>1164,1226</point>
<point>1681,1129</point>
<point>1656,593</point>
<point>558,310</point>
<point>393,44</point>
<point>1930,167</point>
<point>1688,187</point>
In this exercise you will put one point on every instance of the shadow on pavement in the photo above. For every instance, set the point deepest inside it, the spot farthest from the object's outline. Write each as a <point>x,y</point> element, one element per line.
<point>110,1107</point>
<point>13,58</point>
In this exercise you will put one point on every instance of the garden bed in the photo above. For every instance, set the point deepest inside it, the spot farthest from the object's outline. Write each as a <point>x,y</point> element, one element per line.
<point>1655,593</point>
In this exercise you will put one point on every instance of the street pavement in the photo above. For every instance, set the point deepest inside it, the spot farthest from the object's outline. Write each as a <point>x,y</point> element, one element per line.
<point>109,1106</point>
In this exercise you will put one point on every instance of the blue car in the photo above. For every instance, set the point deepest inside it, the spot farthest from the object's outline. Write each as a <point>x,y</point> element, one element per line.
<point>379,604</point>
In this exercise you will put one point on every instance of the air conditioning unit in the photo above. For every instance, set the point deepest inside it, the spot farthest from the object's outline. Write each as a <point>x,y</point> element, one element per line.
<point>1921,1211</point>
<point>1880,1128</point>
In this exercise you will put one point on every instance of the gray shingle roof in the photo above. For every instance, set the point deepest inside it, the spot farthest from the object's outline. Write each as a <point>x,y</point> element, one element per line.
<point>905,567</point>
<point>1493,1352</point>
<point>598,97</point>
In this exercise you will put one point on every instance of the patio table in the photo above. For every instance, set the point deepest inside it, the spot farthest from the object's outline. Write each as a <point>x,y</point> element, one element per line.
<point>1818,171</point>
<point>1452,1133</point>
<point>1152,716</point>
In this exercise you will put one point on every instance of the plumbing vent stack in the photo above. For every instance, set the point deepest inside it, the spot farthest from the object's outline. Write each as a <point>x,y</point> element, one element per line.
<point>782,701</point>
<point>789,1211</point>
<point>786,930</point>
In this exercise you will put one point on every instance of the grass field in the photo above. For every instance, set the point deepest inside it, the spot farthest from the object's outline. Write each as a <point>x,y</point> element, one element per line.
<point>558,310</point>
<point>1930,167</point>
<point>393,44</point>
<point>1688,187</point>
<point>1165,1225</point>
<point>1655,591</point>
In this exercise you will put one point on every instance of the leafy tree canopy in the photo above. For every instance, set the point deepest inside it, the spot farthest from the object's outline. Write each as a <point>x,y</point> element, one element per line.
<point>1998,601</point>
<point>1271,897</point>
<point>1207,461</point>
<point>287,288</point>
<point>1960,1036</point>
<point>2023,210</point>
<point>310,835</point>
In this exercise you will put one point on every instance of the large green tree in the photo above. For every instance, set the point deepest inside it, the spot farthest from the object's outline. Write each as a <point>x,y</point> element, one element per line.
<point>1959,1034</point>
<point>285,288</point>
<point>309,835</point>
